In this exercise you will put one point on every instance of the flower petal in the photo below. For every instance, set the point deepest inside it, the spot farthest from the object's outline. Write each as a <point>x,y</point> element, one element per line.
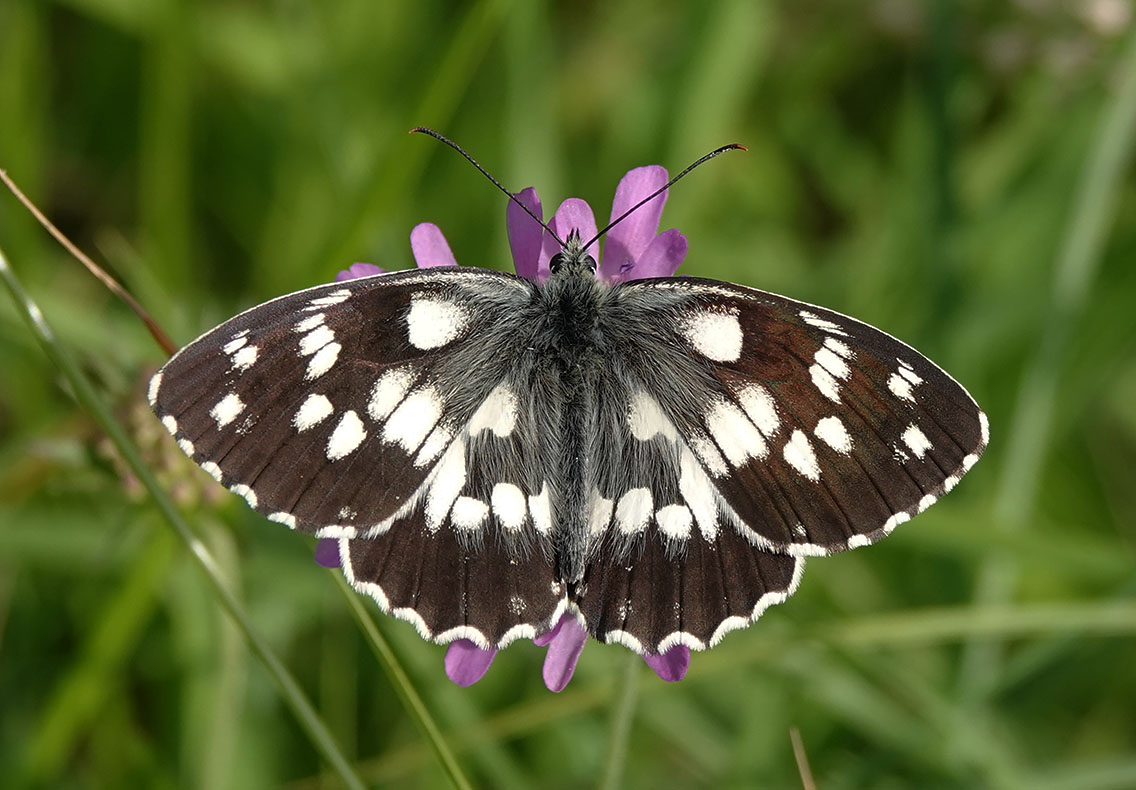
<point>525,234</point>
<point>548,636</point>
<point>573,214</point>
<point>466,663</point>
<point>357,270</point>
<point>661,258</point>
<point>671,666</point>
<point>429,246</point>
<point>566,644</point>
<point>327,552</point>
<point>627,240</point>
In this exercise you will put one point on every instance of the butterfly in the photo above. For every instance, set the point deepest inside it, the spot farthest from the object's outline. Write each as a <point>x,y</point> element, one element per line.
<point>656,457</point>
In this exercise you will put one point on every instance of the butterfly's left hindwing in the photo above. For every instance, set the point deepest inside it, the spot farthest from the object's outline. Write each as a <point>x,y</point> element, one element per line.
<point>372,410</point>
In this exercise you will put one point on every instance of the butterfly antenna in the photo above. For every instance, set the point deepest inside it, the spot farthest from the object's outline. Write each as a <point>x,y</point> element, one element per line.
<point>484,172</point>
<point>664,188</point>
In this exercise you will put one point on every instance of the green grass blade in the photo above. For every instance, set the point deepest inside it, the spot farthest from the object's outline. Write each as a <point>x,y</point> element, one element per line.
<point>406,691</point>
<point>622,718</point>
<point>85,394</point>
<point>1078,261</point>
<point>83,691</point>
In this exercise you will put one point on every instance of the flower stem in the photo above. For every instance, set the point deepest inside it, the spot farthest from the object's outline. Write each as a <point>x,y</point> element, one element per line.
<point>85,394</point>
<point>622,716</point>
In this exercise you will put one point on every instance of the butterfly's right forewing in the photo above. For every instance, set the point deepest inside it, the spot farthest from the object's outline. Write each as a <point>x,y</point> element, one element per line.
<point>821,433</point>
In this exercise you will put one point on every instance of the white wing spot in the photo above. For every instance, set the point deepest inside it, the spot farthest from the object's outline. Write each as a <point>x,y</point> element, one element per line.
<point>315,409</point>
<point>234,345</point>
<point>708,453</point>
<point>241,490</point>
<point>287,519</point>
<point>309,323</point>
<point>316,339</point>
<point>435,443</point>
<point>760,408</point>
<point>186,447</point>
<point>432,323</point>
<point>716,335</point>
<point>323,361</point>
<point>346,437</point>
<point>634,511</point>
<point>734,433</point>
<point>926,502</point>
<point>825,383</point>
<point>909,374</point>
<point>469,513</point>
<point>900,387</point>
<point>335,297</point>
<point>509,505</point>
<point>799,453</point>
<point>448,481</point>
<point>968,462</point>
<point>838,347</point>
<point>244,359</point>
<point>821,323</point>
<point>155,384</point>
<point>599,513</point>
<point>497,413</point>
<point>170,424</point>
<point>674,521</point>
<point>832,432</point>
<point>541,511</point>
<point>413,419</point>
<point>894,521</point>
<point>699,494</point>
<point>646,419</point>
<point>227,409</point>
<point>983,424</point>
<point>831,361</point>
<point>212,470</point>
<point>916,440</point>
<point>389,390</point>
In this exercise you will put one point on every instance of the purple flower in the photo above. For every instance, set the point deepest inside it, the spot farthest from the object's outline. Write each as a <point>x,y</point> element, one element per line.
<point>633,250</point>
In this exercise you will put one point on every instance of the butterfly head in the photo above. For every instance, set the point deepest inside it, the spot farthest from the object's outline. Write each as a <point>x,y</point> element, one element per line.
<point>573,258</point>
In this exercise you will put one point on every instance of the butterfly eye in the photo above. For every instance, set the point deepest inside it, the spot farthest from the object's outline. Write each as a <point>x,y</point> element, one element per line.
<point>558,261</point>
<point>590,262</point>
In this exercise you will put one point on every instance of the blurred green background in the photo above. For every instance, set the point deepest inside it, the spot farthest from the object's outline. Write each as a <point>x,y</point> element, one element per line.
<point>956,173</point>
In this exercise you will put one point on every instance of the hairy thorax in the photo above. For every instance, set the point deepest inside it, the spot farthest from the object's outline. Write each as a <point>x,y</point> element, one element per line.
<point>570,350</point>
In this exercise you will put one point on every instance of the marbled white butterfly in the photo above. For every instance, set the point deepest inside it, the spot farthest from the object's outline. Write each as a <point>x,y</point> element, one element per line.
<point>656,457</point>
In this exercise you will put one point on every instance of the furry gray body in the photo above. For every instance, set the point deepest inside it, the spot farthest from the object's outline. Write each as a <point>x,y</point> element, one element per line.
<point>575,348</point>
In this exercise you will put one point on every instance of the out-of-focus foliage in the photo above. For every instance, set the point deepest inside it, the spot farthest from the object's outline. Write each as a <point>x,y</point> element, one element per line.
<point>921,165</point>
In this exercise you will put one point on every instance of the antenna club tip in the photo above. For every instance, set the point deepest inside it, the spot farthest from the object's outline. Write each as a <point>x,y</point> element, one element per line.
<point>740,147</point>
<point>417,129</point>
